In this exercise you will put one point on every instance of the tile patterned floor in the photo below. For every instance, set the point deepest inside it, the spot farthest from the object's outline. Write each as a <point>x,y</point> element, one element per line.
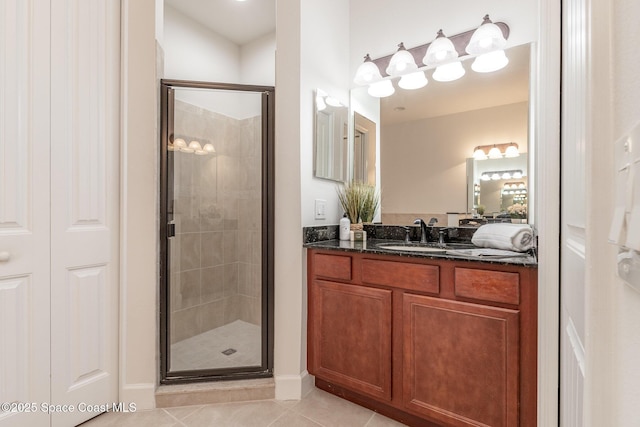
<point>317,409</point>
<point>205,350</point>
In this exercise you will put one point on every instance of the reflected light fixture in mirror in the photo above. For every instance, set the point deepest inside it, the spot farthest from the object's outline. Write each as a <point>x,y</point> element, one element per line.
<point>381,89</point>
<point>486,43</point>
<point>496,151</point>
<point>497,175</point>
<point>413,81</point>
<point>179,144</point>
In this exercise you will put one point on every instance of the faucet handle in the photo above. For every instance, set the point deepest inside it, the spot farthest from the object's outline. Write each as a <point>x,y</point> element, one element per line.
<point>407,230</point>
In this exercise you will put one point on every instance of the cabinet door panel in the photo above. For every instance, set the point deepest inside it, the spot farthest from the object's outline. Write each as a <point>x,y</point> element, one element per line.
<point>460,362</point>
<point>350,332</point>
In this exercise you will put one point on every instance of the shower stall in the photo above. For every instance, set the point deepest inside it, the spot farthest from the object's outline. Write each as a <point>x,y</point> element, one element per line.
<point>216,231</point>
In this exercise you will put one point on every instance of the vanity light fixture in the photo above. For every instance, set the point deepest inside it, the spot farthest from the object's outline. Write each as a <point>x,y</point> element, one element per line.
<point>495,151</point>
<point>401,62</point>
<point>443,54</point>
<point>367,73</point>
<point>486,43</point>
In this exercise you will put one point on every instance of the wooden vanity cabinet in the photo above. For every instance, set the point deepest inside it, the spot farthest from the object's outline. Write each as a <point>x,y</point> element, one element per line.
<point>429,342</point>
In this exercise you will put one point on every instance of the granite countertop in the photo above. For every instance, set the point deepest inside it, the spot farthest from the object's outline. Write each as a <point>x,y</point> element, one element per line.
<point>459,251</point>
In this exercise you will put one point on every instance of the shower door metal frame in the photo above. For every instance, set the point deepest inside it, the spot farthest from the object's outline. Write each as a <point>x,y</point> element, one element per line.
<point>267,223</point>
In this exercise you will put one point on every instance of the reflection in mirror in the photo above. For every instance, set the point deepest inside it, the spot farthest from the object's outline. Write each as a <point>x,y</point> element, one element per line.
<point>330,138</point>
<point>364,150</point>
<point>495,185</point>
<point>426,136</point>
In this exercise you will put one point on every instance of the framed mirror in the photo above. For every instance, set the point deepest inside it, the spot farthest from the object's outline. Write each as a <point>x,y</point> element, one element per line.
<point>427,135</point>
<point>330,138</point>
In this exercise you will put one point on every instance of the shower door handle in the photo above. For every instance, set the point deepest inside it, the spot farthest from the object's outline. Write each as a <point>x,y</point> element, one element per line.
<point>171,230</point>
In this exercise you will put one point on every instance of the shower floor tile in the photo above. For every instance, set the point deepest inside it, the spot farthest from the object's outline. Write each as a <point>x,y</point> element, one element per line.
<point>214,349</point>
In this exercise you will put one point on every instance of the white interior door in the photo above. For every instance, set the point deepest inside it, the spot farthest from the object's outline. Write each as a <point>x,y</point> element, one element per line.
<point>59,208</point>
<point>85,209</point>
<point>575,103</point>
<point>24,211</point>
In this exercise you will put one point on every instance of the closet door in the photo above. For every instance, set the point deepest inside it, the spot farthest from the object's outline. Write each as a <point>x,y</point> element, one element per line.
<point>24,211</point>
<point>85,138</point>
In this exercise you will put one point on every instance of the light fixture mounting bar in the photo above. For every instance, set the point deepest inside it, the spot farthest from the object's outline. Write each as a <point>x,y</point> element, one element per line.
<point>460,42</point>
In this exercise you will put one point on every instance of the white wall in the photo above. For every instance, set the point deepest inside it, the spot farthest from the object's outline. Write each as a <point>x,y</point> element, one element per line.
<point>258,61</point>
<point>193,52</point>
<point>324,65</point>
<point>309,56</point>
<point>139,184</point>
<point>424,167</point>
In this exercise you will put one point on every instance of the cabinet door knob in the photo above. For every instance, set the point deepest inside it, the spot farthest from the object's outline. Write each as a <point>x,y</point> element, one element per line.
<point>4,256</point>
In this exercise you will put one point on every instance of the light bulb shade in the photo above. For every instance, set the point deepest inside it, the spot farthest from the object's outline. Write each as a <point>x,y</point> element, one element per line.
<point>488,37</point>
<point>479,154</point>
<point>195,145</point>
<point>381,89</point>
<point>401,63</point>
<point>367,73</point>
<point>485,177</point>
<point>506,175</point>
<point>495,153</point>
<point>179,143</point>
<point>414,80</point>
<point>209,148</point>
<point>490,62</point>
<point>495,176</point>
<point>517,174</point>
<point>440,51</point>
<point>512,151</point>
<point>448,72</point>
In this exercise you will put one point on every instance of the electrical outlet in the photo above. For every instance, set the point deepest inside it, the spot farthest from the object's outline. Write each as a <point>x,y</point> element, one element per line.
<point>321,209</point>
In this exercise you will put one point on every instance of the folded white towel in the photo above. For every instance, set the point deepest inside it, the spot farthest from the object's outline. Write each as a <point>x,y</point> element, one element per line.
<point>510,237</point>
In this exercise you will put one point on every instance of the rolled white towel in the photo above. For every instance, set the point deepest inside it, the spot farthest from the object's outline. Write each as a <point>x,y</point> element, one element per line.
<point>510,237</point>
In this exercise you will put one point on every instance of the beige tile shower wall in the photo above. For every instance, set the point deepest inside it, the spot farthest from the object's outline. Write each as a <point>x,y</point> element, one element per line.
<point>215,256</point>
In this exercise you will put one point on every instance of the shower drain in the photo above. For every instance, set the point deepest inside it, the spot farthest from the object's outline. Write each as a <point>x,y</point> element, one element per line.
<point>229,351</point>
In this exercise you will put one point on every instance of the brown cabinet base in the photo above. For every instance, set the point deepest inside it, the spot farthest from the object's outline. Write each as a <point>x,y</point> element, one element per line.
<point>428,342</point>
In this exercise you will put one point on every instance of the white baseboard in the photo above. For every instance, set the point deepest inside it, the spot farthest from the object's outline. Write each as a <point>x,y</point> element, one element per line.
<point>143,395</point>
<point>293,387</point>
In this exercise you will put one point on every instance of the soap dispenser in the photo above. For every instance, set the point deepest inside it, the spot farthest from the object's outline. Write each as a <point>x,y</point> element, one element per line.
<point>345,227</point>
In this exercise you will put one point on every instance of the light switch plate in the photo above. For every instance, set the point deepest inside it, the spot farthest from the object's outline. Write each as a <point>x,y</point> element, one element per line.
<point>321,209</point>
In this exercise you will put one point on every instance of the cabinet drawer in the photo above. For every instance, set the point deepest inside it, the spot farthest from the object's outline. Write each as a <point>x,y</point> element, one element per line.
<point>495,286</point>
<point>416,277</point>
<point>332,266</point>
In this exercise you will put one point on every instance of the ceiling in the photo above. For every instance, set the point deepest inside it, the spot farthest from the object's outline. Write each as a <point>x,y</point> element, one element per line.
<point>472,92</point>
<point>237,21</point>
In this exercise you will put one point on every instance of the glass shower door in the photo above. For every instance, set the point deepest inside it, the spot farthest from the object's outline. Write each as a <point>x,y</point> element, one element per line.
<point>216,302</point>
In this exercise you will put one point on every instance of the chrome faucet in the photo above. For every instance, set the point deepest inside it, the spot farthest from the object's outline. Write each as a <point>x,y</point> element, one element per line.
<point>424,233</point>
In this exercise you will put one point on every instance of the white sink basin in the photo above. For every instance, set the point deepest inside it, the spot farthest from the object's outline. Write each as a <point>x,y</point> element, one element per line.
<point>414,249</point>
